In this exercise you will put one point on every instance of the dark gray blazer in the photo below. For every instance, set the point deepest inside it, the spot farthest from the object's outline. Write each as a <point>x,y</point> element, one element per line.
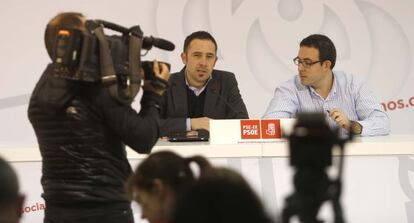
<point>223,101</point>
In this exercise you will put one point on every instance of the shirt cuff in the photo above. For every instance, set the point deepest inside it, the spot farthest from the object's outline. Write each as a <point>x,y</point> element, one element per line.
<point>188,124</point>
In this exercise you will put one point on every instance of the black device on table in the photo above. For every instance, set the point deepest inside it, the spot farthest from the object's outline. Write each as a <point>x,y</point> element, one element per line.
<point>191,136</point>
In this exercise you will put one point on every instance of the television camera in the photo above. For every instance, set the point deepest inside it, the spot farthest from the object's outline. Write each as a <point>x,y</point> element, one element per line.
<point>115,61</point>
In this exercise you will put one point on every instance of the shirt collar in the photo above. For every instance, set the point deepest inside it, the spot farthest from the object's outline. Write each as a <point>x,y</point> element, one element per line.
<point>335,83</point>
<point>196,91</point>
<point>333,90</point>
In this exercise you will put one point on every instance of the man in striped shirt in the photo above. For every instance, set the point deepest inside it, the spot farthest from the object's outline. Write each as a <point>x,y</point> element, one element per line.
<point>347,102</point>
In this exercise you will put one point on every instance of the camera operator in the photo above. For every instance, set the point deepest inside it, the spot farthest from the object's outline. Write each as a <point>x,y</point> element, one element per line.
<point>81,131</point>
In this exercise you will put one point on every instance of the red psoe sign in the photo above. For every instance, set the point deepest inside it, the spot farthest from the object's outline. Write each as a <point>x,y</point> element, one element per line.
<point>271,129</point>
<point>250,129</point>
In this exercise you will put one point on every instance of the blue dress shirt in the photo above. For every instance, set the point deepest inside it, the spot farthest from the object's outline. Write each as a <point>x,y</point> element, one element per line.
<point>347,94</point>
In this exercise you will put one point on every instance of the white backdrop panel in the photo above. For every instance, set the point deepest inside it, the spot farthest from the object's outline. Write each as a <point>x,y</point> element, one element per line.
<point>257,40</point>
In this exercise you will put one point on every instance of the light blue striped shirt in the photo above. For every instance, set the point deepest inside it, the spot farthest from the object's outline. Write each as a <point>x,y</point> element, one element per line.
<point>348,94</point>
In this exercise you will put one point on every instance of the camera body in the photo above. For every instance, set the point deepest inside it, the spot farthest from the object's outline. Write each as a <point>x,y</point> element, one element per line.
<point>90,55</point>
<point>77,55</point>
<point>311,142</point>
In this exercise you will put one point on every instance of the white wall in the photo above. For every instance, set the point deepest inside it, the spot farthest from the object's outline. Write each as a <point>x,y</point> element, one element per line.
<point>257,41</point>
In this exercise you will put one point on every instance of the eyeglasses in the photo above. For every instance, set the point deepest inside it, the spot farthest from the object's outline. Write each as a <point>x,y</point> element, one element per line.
<point>305,63</point>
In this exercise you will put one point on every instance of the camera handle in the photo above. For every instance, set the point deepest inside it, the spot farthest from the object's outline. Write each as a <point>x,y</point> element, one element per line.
<point>147,42</point>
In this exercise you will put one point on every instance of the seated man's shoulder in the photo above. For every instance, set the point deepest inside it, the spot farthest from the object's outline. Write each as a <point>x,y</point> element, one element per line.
<point>222,74</point>
<point>344,76</point>
<point>348,79</point>
<point>175,76</point>
<point>294,83</point>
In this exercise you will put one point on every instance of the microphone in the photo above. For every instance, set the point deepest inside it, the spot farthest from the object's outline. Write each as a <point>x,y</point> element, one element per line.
<point>148,42</point>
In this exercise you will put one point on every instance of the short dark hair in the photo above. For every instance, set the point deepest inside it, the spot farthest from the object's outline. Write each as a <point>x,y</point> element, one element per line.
<point>9,187</point>
<point>221,195</point>
<point>169,167</point>
<point>66,20</point>
<point>324,45</point>
<point>203,35</point>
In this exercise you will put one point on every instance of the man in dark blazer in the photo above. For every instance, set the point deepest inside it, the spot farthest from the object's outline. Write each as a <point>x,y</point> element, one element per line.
<point>199,93</point>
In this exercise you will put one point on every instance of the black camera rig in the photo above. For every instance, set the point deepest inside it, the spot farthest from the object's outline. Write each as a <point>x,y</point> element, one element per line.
<point>310,146</point>
<point>115,61</point>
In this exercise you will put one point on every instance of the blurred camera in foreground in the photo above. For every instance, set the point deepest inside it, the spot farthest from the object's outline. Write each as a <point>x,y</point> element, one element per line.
<point>310,144</point>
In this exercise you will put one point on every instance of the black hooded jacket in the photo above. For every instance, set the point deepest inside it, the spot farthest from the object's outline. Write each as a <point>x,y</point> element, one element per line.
<point>81,131</point>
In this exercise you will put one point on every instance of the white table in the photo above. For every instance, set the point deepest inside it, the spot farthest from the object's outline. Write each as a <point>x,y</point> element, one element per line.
<point>378,174</point>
